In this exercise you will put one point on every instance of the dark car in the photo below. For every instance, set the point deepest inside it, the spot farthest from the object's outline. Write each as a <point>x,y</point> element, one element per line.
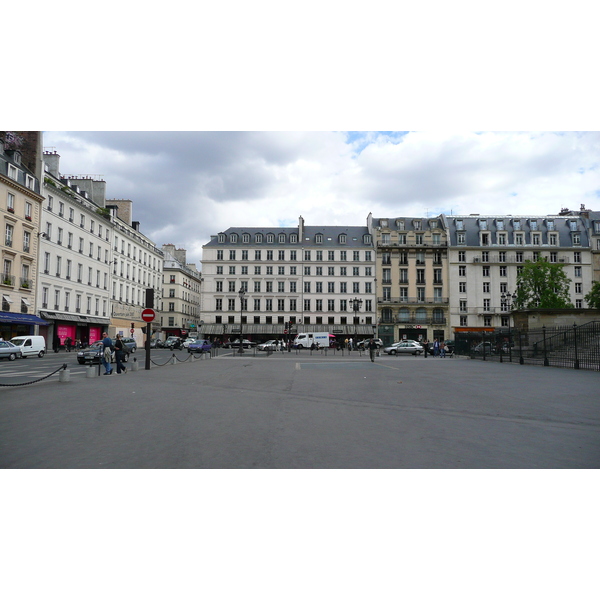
<point>236,344</point>
<point>199,346</point>
<point>93,354</point>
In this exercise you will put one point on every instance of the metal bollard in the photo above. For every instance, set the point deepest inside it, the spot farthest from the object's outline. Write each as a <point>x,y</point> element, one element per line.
<point>135,365</point>
<point>90,371</point>
<point>173,360</point>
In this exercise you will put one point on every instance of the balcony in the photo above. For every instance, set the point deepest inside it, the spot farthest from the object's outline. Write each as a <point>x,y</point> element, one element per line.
<point>412,300</point>
<point>25,283</point>
<point>6,279</point>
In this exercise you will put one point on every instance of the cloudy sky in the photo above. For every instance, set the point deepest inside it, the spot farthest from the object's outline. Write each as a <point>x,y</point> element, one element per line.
<point>188,185</point>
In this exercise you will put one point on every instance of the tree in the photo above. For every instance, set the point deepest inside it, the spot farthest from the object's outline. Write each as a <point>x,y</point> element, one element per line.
<point>542,285</point>
<point>593,298</point>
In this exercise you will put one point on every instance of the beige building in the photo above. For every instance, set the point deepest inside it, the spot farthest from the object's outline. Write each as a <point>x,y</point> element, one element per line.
<point>181,287</point>
<point>412,277</point>
<point>20,208</point>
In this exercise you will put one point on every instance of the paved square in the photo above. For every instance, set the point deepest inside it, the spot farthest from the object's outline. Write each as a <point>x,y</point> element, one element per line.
<point>297,411</point>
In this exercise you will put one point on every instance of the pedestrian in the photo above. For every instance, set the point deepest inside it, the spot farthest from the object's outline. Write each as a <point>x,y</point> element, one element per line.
<point>425,345</point>
<point>442,350</point>
<point>120,355</point>
<point>68,344</point>
<point>107,347</point>
<point>56,344</point>
<point>436,347</point>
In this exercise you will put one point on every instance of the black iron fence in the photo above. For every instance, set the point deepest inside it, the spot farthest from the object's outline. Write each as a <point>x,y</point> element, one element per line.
<point>573,347</point>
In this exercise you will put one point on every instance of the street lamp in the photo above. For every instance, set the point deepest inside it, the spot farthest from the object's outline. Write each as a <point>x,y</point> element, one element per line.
<point>506,304</point>
<point>355,305</point>
<point>242,295</point>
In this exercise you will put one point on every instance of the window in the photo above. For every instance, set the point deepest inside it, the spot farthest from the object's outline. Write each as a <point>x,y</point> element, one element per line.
<point>343,255</point>
<point>245,238</point>
<point>307,287</point>
<point>231,304</point>
<point>519,239</point>
<point>10,202</point>
<point>244,254</point>
<point>462,271</point>
<point>462,287</point>
<point>343,271</point>
<point>577,257</point>
<point>28,210</point>
<point>307,270</point>
<point>26,241</point>
<point>9,234</point>
<point>462,306</point>
<point>281,284</point>
<point>486,287</point>
<point>576,239</point>
<point>232,255</point>
<point>330,255</point>
<point>578,303</point>
<point>270,238</point>
<point>343,287</point>
<point>578,288</point>
<point>485,271</point>
<point>552,239</point>
<point>460,238</point>
<point>536,239</point>
<point>553,257</point>
<point>502,271</point>
<point>319,238</point>
<point>219,304</point>
<point>319,254</point>
<point>533,224</point>
<point>270,255</point>
<point>403,275</point>
<point>577,271</point>
<point>356,255</point>
<point>269,286</point>
<point>219,286</point>
<point>502,239</point>
<point>269,304</point>
<point>331,305</point>
<point>258,238</point>
<point>231,286</point>
<point>462,256</point>
<point>232,270</point>
<point>293,239</point>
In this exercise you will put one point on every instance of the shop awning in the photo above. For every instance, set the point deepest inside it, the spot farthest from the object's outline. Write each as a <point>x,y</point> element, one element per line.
<point>81,319</point>
<point>7,317</point>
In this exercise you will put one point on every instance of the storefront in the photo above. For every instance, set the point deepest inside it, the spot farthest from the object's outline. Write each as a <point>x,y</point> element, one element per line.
<point>81,329</point>
<point>14,324</point>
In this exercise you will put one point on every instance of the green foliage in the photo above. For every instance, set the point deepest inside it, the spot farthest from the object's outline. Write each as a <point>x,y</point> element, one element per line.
<point>542,285</point>
<point>593,298</point>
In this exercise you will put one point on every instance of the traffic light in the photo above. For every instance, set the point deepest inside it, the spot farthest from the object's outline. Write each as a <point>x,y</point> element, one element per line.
<point>133,326</point>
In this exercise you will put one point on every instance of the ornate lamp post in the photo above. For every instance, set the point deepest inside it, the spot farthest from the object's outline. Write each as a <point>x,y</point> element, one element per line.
<point>355,305</point>
<point>242,295</point>
<point>506,302</point>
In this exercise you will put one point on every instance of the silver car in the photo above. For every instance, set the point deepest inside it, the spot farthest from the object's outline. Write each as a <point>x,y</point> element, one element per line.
<point>405,347</point>
<point>10,351</point>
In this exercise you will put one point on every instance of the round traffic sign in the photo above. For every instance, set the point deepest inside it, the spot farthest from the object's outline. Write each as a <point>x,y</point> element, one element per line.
<point>132,331</point>
<point>148,315</point>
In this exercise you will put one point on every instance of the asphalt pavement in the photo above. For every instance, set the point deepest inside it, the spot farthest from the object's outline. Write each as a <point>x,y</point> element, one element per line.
<point>301,411</point>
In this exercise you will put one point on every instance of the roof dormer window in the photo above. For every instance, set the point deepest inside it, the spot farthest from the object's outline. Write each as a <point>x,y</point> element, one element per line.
<point>222,238</point>
<point>417,225</point>
<point>293,238</point>
<point>270,238</point>
<point>282,238</point>
<point>400,224</point>
<point>483,224</point>
<point>342,238</point>
<point>459,224</point>
<point>233,238</point>
<point>246,238</point>
<point>258,238</point>
<point>319,238</point>
<point>384,222</point>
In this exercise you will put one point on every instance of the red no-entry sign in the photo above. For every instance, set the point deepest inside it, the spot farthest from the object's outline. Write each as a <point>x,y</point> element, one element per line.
<point>148,315</point>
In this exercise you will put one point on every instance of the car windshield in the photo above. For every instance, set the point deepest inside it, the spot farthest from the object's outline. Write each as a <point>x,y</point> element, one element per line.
<point>17,342</point>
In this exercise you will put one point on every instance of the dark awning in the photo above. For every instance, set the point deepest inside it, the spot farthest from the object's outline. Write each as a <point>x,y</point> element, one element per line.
<point>81,319</point>
<point>8,317</point>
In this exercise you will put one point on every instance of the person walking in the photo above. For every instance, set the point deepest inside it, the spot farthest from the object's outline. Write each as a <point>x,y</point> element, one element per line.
<point>442,350</point>
<point>425,345</point>
<point>107,347</point>
<point>120,354</point>
<point>372,349</point>
<point>436,347</point>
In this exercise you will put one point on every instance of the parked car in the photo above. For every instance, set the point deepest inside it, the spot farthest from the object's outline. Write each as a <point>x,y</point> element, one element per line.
<point>172,342</point>
<point>93,354</point>
<point>364,344</point>
<point>129,343</point>
<point>269,345</point>
<point>198,346</point>
<point>236,344</point>
<point>10,351</point>
<point>404,347</point>
<point>484,346</point>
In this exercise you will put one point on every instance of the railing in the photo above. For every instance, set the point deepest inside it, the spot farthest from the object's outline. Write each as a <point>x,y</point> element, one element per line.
<point>6,279</point>
<point>412,300</point>
<point>574,347</point>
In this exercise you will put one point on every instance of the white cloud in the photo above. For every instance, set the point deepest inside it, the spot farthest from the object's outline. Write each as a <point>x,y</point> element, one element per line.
<point>187,186</point>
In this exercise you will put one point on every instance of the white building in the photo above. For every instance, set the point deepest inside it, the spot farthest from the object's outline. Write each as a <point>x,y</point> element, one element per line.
<point>486,252</point>
<point>311,276</point>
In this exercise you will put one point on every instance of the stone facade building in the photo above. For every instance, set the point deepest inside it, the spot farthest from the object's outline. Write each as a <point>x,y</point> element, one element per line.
<point>181,294</point>
<point>412,278</point>
<point>310,276</point>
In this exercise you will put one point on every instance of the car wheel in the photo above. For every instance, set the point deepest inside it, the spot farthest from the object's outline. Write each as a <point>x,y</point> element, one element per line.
<point>300,346</point>
<point>126,358</point>
<point>81,362</point>
<point>41,354</point>
<point>392,352</point>
<point>12,357</point>
<point>132,350</point>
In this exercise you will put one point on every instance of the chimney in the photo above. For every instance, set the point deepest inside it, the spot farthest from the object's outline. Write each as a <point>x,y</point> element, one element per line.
<point>52,160</point>
<point>124,210</point>
<point>301,229</point>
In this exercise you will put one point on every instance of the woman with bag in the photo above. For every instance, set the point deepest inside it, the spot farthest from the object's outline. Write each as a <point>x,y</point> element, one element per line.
<point>107,347</point>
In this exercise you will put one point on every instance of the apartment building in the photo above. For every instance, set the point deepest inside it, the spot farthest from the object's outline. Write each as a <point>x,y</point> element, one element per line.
<point>412,278</point>
<point>486,253</point>
<point>317,278</point>
<point>20,207</point>
<point>181,288</point>
<point>94,262</point>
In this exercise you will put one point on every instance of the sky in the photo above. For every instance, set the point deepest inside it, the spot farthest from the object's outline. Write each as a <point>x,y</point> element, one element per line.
<point>186,186</point>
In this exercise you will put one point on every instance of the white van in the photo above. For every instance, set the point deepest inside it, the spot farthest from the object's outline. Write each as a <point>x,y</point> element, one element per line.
<point>30,345</point>
<point>306,340</point>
